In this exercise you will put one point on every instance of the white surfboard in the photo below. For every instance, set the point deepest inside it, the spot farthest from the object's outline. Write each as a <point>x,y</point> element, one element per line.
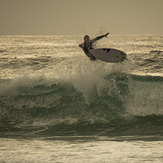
<point>109,55</point>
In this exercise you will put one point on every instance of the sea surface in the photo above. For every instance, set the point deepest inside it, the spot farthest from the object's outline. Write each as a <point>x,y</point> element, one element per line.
<point>58,106</point>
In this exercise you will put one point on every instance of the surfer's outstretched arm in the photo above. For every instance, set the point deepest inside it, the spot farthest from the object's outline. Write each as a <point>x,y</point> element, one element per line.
<point>81,45</point>
<point>100,37</point>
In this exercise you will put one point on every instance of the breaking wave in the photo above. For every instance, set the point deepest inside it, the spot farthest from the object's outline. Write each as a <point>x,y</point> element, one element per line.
<point>117,103</point>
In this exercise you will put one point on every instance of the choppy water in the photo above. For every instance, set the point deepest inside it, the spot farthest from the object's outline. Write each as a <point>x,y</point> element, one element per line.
<point>54,100</point>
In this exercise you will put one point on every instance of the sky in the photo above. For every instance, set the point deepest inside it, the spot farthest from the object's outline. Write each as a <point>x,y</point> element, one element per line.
<point>67,17</point>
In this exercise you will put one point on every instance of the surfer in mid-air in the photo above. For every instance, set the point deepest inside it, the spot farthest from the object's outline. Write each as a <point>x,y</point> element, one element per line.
<point>87,45</point>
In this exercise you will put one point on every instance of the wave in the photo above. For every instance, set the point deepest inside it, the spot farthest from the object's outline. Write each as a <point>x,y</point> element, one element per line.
<point>156,51</point>
<point>118,102</point>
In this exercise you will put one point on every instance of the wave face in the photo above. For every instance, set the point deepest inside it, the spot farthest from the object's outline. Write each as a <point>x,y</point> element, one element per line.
<point>122,104</point>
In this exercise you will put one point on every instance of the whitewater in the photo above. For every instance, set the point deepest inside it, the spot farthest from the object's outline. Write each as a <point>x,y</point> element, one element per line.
<point>56,105</point>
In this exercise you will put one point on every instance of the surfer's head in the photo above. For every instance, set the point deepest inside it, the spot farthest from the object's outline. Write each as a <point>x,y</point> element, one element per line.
<point>86,38</point>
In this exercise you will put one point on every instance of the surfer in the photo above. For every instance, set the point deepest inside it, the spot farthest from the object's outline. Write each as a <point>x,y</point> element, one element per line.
<point>87,45</point>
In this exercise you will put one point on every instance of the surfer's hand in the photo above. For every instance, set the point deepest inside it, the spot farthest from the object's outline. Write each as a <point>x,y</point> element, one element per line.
<point>106,34</point>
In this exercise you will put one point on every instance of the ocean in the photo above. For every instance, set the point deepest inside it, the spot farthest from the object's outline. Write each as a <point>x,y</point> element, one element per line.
<point>56,105</point>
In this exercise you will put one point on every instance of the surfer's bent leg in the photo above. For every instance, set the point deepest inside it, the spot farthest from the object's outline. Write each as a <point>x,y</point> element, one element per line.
<point>91,57</point>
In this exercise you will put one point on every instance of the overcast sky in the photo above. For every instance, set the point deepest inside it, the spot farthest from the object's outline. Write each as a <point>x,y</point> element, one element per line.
<point>81,17</point>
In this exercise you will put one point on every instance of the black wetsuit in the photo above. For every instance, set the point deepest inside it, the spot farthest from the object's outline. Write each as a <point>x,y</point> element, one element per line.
<point>89,46</point>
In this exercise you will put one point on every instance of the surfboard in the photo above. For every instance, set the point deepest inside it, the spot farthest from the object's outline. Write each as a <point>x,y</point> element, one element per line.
<point>109,55</point>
